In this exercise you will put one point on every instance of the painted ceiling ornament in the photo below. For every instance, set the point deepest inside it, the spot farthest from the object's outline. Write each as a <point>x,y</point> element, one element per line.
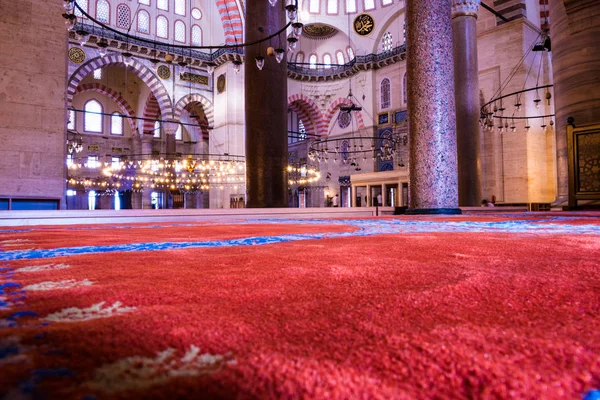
<point>76,55</point>
<point>318,31</point>
<point>465,7</point>
<point>364,24</point>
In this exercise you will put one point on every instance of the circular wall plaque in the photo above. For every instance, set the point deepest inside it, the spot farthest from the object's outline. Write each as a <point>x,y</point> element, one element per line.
<point>163,72</point>
<point>364,24</point>
<point>221,83</point>
<point>76,55</point>
<point>344,119</point>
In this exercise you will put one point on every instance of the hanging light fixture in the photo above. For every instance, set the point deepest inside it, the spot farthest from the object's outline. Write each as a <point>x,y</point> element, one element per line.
<point>292,9</point>
<point>297,26</point>
<point>83,37</point>
<point>292,42</point>
<point>102,47</point>
<point>70,21</point>
<point>127,58</point>
<point>210,67</point>
<point>68,5</point>
<point>279,54</point>
<point>237,65</point>
<point>260,62</point>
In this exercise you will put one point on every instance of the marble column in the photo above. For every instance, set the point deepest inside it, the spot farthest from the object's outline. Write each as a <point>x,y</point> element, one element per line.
<point>466,78</point>
<point>432,115</point>
<point>574,29</point>
<point>266,111</point>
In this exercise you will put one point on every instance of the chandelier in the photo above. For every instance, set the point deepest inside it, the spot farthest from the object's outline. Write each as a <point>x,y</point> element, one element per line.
<point>302,174</point>
<point>503,112</point>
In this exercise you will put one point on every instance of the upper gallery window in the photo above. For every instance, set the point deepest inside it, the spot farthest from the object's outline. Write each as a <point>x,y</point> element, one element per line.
<point>313,6</point>
<point>123,16</point>
<point>369,4</point>
<point>143,21</point>
<point>84,6</point>
<point>340,58</point>
<point>161,27</point>
<point>350,6</point>
<point>180,7</point>
<point>350,53</point>
<point>103,11</point>
<point>179,31</point>
<point>327,60</point>
<point>92,117</point>
<point>385,94</point>
<point>162,4</point>
<point>332,6</point>
<point>386,42</point>
<point>313,61</point>
<point>196,13</point>
<point>196,36</point>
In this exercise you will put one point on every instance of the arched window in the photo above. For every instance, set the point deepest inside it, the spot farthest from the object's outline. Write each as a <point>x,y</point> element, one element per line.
<point>157,129</point>
<point>327,60</point>
<point>179,31</point>
<point>162,29</point>
<point>300,58</point>
<point>313,6</point>
<point>350,6</point>
<point>180,7</point>
<point>196,13</point>
<point>386,42</point>
<point>196,36</point>
<point>369,4</point>
<point>116,124</point>
<point>162,5</point>
<point>123,16</point>
<point>84,6</point>
<point>386,98</point>
<point>332,6</point>
<point>179,133</point>
<point>350,53</point>
<point>143,22</point>
<point>98,73</point>
<point>313,61</point>
<point>92,117</point>
<point>103,11</point>
<point>340,58</point>
<point>404,97</point>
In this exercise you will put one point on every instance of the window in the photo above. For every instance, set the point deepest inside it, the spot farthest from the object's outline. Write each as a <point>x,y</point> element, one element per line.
<point>180,7</point>
<point>332,6</point>
<point>404,30</point>
<point>84,6</point>
<point>179,133</point>
<point>327,60</point>
<point>92,117</point>
<point>71,192</point>
<point>313,61</point>
<point>196,13</point>
<point>146,2</point>
<point>115,164</point>
<point>92,162</point>
<point>116,124</point>
<point>71,124</point>
<point>70,159</point>
<point>369,4</point>
<point>404,97</point>
<point>98,73</point>
<point>350,53</point>
<point>350,6</point>
<point>162,5</point>
<point>92,200</point>
<point>386,42</point>
<point>300,58</point>
<point>301,130</point>
<point>156,129</point>
<point>123,16</point>
<point>179,31</point>
<point>161,27</point>
<point>386,2</point>
<point>340,58</point>
<point>385,94</point>
<point>313,6</point>
<point>196,36</point>
<point>102,11</point>
<point>143,22</point>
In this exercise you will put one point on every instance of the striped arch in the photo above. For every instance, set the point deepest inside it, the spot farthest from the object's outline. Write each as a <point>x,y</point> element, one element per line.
<point>151,114</point>
<point>231,18</point>
<point>110,93</point>
<point>207,106</point>
<point>335,105</point>
<point>143,72</point>
<point>309,113</point>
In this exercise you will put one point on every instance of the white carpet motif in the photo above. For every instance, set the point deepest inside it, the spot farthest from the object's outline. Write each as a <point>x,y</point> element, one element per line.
<point>96,311</point>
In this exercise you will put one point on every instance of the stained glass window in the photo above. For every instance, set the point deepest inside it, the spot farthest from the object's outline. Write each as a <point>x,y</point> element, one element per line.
<point>386,42</point>
<point>385,94</point>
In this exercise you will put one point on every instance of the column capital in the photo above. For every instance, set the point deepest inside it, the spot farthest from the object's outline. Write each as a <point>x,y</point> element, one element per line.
<point>170,127</point>
<point>465,7</point>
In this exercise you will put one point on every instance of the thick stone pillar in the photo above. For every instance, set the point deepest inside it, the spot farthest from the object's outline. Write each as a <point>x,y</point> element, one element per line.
<point>147,152</point>
<point>574,29</point>
<point>432,125</point>
<point>466,78</point>
<point>170,128</point>
<point>266,111</point>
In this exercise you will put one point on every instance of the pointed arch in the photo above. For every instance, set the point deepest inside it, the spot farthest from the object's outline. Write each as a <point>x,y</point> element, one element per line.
<point>151,112</point>
<point>143,72</point>
<point>110,93</point>
<point>207,106</point>
<point>309,113</point>
<point>231,18</point>
<point>334,105</point>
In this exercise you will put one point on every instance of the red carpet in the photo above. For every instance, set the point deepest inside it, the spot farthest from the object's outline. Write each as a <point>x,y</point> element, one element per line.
<point>486,313</point>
